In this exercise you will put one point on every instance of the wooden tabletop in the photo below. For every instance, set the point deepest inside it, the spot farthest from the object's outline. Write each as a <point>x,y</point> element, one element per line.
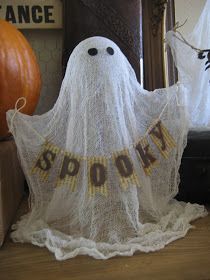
<point>187,258</point>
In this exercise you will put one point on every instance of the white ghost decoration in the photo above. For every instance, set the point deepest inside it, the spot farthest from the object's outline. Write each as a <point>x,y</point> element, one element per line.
<point>194,73</point>
<point>102,165</point>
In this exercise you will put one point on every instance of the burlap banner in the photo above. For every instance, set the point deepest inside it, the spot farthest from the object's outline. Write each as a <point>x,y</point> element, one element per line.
<point>97,175</point>
<point>125,169</point>
<point>69,171</point>
<point>97,167</point>
<point>45,160</point>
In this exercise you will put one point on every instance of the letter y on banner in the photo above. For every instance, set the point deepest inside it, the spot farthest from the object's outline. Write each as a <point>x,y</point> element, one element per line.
<point>162,139</point>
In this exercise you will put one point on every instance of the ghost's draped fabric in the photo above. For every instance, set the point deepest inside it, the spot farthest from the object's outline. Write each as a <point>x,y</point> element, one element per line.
<point>192,68</point>
<point>102,165</point>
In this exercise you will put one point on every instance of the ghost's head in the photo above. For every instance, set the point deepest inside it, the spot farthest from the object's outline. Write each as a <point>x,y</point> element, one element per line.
<point>98,59</point>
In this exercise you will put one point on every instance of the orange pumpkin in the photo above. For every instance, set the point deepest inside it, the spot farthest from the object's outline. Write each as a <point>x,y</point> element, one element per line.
<point>19,73</point>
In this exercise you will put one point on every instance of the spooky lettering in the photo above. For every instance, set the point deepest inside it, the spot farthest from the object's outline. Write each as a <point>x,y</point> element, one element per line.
<point>97,182</point>
<point>97,170</point>
<point>125,168</point>
<point>124,165</point>
<point>145,155</point>
<point>162,139</point>
<point>45,160</point>
<point>69,171</point>
<point>97,174</point>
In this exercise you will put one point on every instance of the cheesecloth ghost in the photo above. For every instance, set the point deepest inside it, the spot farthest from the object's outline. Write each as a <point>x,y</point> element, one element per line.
<point>102,164</point>
<point>194,72</point>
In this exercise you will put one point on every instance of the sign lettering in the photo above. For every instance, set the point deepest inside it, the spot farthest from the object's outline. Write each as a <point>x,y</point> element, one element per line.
<point>37,14</point>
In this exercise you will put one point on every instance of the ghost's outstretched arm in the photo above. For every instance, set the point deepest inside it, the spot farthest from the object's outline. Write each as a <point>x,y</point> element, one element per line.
<point>30,126</point>
<point>156,103</point>
<point>184,56</point>
<point>44,126</point>
<point>192,58</point>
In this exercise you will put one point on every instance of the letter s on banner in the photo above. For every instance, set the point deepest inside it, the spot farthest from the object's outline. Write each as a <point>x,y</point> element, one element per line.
<point>45,160</point>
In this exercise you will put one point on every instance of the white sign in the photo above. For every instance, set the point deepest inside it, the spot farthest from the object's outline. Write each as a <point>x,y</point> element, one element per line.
<point>32,13</point>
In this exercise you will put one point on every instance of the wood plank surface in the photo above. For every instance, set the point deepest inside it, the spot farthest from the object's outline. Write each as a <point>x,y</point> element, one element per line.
<point>187,258</point>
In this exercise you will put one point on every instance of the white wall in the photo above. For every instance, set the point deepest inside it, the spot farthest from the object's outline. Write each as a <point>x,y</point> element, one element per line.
<point>190,10</point>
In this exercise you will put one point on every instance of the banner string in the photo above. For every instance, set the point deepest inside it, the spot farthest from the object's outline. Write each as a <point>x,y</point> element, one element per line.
<point>17,110</point>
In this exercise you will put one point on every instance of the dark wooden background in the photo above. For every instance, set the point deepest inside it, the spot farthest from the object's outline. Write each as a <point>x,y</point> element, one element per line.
<point>118,20</point>
<point>136,26</point>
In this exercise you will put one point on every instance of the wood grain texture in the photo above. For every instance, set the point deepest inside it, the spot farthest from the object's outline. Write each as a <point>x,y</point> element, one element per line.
<point>117,20</point>
<point>152,48</point>
<point>187,258</point>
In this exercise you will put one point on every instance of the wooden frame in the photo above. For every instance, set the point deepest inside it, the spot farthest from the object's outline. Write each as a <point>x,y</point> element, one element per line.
<point>152,17</point>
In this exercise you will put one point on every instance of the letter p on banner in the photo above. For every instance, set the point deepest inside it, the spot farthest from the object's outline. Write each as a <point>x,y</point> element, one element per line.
<point>69,171</point>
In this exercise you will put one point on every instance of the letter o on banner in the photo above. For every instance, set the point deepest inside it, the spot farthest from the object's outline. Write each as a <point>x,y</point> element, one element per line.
<point>124,165</point>
<point>73,167</point>
<point>97,174</point>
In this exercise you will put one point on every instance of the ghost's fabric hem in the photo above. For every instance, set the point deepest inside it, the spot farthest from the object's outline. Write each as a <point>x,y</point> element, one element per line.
<point>150,238</point>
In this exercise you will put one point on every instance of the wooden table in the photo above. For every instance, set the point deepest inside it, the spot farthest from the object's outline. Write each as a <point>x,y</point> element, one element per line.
<point>187,258</point>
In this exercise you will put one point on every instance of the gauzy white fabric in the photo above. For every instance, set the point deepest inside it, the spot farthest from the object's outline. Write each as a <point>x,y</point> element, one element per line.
<point>102,109</point>
<point>192,71</point>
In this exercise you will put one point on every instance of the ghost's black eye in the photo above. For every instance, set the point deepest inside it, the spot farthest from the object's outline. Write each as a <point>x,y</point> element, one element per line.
<point>110,50</point>
<point>93,51</point>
